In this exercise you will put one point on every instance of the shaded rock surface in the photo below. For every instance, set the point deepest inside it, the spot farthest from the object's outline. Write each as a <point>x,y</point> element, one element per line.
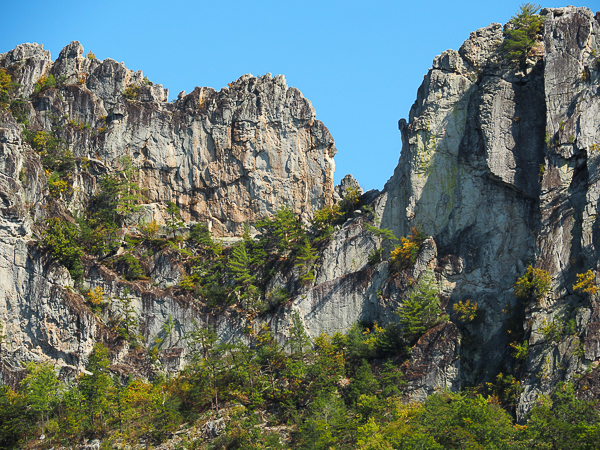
<point>498,166</point>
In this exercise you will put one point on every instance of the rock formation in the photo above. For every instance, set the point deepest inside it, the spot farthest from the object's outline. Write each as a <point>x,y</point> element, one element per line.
<point>499,166</point>
<point>225,157</point>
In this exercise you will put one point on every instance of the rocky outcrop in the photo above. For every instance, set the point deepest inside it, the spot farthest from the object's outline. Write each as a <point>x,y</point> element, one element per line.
<point>468,176</point>
<point>499,165</point>
<point>223,157</point>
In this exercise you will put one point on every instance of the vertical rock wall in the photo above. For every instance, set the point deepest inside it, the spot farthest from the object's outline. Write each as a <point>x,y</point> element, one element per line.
<point>499,166</point>
<point>224,157</point>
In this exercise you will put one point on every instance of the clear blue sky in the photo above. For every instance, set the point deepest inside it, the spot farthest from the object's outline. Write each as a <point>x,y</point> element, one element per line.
<point>359,62</point>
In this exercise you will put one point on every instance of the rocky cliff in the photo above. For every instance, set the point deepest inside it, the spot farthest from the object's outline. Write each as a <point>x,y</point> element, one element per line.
<point>222,158</point>
<point>499,166</point>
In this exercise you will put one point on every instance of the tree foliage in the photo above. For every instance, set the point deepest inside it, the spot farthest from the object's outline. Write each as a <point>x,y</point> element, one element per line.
<point>41,389</point>
<point>61,239</point>
<point>522,32</point>
<point>119,195</point>
<point>586,283</point>
<point>283,233</point>
<point>420,311</point>
<point>305,261</point>
<point>332,393</point>
<point>561,421</point>
<point>405,255</point>
<point>7,86</point>
<point>533,285</point>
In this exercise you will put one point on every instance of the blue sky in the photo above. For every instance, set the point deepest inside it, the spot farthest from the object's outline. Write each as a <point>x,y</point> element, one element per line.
<point>360,63</point>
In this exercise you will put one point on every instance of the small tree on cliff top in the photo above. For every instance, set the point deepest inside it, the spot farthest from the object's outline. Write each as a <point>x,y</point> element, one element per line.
<point>520,39</point>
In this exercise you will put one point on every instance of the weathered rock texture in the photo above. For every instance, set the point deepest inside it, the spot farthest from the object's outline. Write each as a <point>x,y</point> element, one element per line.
<point>499,166</point>
<point>224,157</point>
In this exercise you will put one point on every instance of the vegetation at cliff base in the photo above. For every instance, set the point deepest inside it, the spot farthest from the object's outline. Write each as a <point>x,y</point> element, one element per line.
<point>334,392</point>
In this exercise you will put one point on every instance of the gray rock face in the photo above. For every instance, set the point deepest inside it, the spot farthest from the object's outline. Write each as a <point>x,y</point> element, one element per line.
<point>224,157</point>
<point>468,176</point>
<point>567,243</point>
<point>499,165</point>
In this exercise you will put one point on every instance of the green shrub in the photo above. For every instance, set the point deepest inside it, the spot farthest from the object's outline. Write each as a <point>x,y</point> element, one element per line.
<point>586,283</point>
<point>44,83</point>
<point>23,178</point>
<point>130,267</point>
<point>131,92</point>
<point>18,109</point>
<point>467,311</point>
<point>277,297</point>
<point>306,261</point>
<point>375,256</point>
<point>127,322</point>
<point>519,40</point>
<point>200,235</point>
<point>118,195</point>
<point>562,421</point>
<point>56,185</point>
<point>55,155</point>
<point>520,351</point>
<point>6,87</point>
<point>533,285</point>
<point>282,234</point>
<point>405,255</point>
<point>505,390</point>
<point>90,55</point>
<point>420,311</point>
<point>324,220</point>
<point>351,199</point>
<point>98,238</point>
<point>463,421</point>
<point>385,234</point>
<point>174,222</point>
<point>60,238</point>
<point>551,330</point>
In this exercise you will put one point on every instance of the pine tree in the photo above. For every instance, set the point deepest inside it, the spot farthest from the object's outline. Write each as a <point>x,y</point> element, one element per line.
<point>206,356</point>
<point>96,384</point>
<point>519,39</point>
<point>421,309</point>
<point>41,387</point>
<point>306,259</point>
<point>167,328</point>
<point>240,264</point>
<point>283,233</point>
<point>119,195</point>
<point>174,221</point>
